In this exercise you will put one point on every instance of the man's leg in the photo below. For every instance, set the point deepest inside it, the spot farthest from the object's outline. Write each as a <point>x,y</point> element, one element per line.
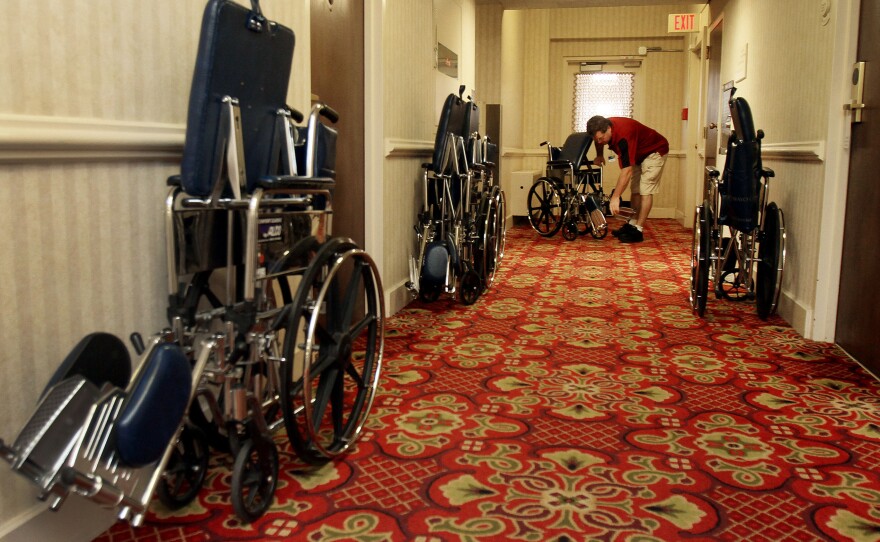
<point>646,201</point>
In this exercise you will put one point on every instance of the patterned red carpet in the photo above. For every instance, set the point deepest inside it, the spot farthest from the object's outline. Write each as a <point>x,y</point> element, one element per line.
<point>581,400</point>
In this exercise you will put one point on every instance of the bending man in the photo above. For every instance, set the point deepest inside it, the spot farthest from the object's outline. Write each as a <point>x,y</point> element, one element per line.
<point>641,152</point>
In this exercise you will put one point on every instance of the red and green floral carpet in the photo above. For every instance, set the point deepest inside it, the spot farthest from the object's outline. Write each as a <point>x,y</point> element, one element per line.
<point>581,400</point>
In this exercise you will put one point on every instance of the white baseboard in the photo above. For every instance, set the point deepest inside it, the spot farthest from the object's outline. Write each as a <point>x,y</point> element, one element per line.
<point>397,297</point>
<point>796,314</point>
<point>78,520</point>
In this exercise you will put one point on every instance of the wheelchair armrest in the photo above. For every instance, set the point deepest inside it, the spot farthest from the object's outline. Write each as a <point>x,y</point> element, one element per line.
<point>293,181</point>
<point>767,172</point>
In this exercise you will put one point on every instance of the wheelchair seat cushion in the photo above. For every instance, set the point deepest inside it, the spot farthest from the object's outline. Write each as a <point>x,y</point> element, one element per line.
<point>153,411</point>
<point>244,63</point>
<point>99,358</point>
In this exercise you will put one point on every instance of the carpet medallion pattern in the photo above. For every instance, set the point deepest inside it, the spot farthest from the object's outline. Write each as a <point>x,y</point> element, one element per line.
<point>580,399</point>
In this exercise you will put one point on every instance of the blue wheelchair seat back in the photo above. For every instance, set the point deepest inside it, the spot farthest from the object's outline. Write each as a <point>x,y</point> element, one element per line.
<point>451,123</point>
<point>570,155</point>
<point>244,56</point>
<point>99,358</point>
<point>155,406</point>
<point>741,180</point>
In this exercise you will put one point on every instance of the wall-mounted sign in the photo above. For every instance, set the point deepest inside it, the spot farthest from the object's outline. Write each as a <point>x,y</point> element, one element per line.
<point>682,22</point>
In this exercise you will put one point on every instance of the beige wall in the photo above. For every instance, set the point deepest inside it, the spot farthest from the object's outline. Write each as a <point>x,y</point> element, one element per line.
<point>410,119</point>
<point>787,85</point>
<point>91,125</point>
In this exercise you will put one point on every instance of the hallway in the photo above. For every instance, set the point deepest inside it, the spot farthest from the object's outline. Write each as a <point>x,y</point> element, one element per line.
<point>580,399</point>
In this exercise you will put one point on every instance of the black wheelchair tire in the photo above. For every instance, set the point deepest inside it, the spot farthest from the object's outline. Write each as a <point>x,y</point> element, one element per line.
<point>544,205</point>
<point>771,261</point>
<point>185,472</point>
<point>254,478</point>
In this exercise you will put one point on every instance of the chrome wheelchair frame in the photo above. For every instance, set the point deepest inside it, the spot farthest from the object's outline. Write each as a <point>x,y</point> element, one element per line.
<point>739,234</point>
<point>295,339</point>
<point>461,228</point>
<point>569,197</point>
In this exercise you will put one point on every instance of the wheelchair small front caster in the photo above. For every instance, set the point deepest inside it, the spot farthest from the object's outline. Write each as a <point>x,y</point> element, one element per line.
<point>570,231</point>
<point>186,469</point>
<point>471,287</point>
<point>254,478</point>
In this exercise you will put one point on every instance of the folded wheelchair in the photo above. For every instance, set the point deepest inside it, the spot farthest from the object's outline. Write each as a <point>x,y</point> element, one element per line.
<point>272,322</point>
<point>461,227</point>
<point>568,197</point>
<point>739,234</point>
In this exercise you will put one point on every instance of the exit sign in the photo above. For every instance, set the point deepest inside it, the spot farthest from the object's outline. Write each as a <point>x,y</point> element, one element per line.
<point>682,22</point>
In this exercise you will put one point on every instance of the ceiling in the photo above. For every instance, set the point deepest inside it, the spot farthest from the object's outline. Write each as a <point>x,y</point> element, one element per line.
<point>549,4</point>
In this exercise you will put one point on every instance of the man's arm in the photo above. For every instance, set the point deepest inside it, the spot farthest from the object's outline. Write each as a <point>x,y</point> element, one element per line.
<point>600,156</point>
<point>622,182</point>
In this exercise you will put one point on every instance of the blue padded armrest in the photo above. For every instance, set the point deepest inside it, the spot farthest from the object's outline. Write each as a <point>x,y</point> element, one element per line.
<point>155,408</point>
<point>244,63</point>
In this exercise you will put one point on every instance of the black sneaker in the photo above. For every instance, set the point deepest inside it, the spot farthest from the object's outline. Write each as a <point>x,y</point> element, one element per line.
<point>625,227</point>
<point>631,236</point>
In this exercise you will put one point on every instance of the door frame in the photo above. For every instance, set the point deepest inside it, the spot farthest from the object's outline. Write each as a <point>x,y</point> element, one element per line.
<point>836,173</point>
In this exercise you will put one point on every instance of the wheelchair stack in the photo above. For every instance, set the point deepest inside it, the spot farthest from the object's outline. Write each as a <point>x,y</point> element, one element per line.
<point>272,322</point>
<point>461,227</point>
<point>568,197</point>
<point>745,260</point>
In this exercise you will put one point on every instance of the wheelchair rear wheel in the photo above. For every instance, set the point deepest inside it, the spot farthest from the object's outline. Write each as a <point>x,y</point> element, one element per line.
<point>333,351</point>
<point>771,260</point>
<point>545,206</point>
<point>700,260</point>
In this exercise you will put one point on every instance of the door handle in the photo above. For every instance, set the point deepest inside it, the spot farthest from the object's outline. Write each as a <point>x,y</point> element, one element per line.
<point>857,103</point>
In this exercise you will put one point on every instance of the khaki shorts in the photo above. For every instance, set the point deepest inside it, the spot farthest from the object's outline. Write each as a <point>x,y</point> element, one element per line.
<point>646,176</point>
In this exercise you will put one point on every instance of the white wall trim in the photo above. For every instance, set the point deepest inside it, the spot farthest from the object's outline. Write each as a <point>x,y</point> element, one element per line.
<point>823,324</point>
<point>374,131</point>
<point>801,151</point>
<point>31,138</point>
<point>405,148</point>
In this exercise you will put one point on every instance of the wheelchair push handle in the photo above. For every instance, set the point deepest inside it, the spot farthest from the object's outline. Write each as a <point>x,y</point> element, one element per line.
<point>295,114</point>
<point>325,111</point>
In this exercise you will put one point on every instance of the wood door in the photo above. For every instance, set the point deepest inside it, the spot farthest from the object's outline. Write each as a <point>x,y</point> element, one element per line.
<point>858,308</point>
<point>337,31</point>
<point>713,95</point>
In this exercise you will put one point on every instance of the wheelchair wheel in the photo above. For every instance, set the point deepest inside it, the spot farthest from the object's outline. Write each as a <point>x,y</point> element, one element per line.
<point>185,473</point>
<point>771,260</point>
<point>489,229</point>
<point>732,286</point>
<point>570,230</point>
<point>501,227</point>
<point>700,260</point>
<point>254,478</point>
<point>333,347</point>
<point>545,206</point>
<point>471,287</point>
<point>429,293</point>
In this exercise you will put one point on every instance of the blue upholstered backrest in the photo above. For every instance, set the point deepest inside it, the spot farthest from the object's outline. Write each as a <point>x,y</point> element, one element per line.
<point>252,66</point>
<point>452,118</point>
<point>742,171</point>
<point>575,148</point>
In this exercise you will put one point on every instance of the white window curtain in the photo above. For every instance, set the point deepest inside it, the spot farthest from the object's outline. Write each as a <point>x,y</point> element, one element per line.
<point>609,94</point>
